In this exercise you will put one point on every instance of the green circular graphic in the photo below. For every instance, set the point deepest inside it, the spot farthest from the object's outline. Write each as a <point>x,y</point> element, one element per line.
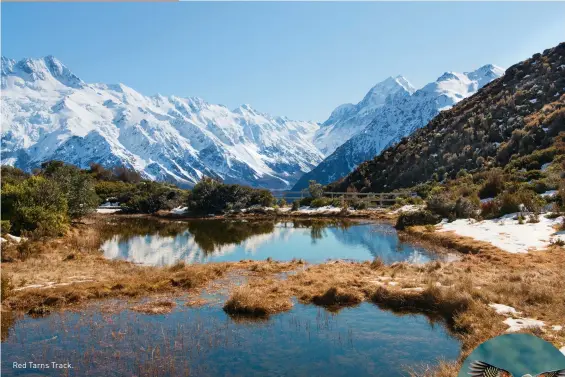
<point>516,354</point>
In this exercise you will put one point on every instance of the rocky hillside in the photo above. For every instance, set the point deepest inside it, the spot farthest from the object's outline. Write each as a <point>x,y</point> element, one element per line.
<point>515,122</point>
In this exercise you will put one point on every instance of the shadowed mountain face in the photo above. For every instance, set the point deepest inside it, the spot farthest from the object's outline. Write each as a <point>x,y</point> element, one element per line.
<point>519,115</point>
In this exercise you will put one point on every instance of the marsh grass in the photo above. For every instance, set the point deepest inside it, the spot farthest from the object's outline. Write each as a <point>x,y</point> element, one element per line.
<point>256,301</point>
<point>155,307</point>
<point>457,293</point>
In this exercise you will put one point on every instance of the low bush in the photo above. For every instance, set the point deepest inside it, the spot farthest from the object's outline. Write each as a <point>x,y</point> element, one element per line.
<point>212,196</point>
<point>441,204</point>
<point>5,286</point>
<point>36,204</point>
<point>306,201</point>
<point>320,202</point>
<point>493,185</point>
<point>358,204</point>
<point>5,226</point>
<point>295,205</point>
<point>466,208</point>
<point>422,217</point>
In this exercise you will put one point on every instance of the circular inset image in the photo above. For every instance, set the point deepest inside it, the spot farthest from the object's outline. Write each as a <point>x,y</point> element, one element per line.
<point>514,355</point>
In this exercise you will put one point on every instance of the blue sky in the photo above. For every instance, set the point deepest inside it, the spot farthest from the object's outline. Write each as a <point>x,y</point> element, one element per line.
<point>295,59</point>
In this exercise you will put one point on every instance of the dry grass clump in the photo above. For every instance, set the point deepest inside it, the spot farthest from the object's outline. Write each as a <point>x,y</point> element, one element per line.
<point>338,297</point>
<point>250,301</point>
<point>443,369</point>
<point>155,307</point>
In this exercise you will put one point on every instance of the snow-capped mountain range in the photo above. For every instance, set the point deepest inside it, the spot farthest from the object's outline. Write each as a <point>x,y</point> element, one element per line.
<point>348,119</point>
<point>50,113</point>
<point>400,113</point>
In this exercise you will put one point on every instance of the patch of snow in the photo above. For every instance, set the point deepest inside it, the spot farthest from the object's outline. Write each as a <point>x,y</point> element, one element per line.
<point>504,309</point>
<point>545,166</point>
<point>533,100</point>
<point>108,210</point>
<point>308,209</point>
<point>507,234</point>
<point>2,240</point>
<point>557,328</point>
<point>408,208</point>
<point>110,205</point>
<point>179,210</point>
<point>14,238</point>
<point>487,200</point>
<point>549,193</point>
<point>562,349</point>
<point>522,323</point>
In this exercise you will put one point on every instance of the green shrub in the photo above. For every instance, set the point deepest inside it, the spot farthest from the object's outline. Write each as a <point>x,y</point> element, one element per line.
<point>282,202</point>
<point>320,202</point>
<point>122,191</point>
<point>76,185</point>
<point>6,286</point>
<point>5,226</point>
<point>336,202</point>
<point>422,217</point>
<point>439,202</point>
<point>507,203</point>
<point>493,185</point>
<point>359,205</point>
<point>210,195</point>
<point>306,201</point>
<point>315,189</point>
<point>490,210</point>
<point>36,205</point>
<point>295,205</point>
<point>466,208</point>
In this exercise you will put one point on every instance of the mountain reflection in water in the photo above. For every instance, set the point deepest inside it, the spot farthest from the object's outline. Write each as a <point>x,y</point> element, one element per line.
<point>154,242</point>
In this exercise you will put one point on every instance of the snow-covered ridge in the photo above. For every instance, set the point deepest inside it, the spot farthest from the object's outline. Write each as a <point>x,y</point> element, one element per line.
<point>50,113</point>
<point>348,119</point>
<point>399,114</point>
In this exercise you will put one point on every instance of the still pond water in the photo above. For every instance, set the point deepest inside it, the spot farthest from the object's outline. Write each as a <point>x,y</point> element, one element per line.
<point>151,242</point>
<point>307,341</point>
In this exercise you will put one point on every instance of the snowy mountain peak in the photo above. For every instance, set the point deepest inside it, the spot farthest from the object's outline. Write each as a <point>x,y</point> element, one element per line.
<point>401,114</point>
<point>348,119</point>
<point>49,113</point>
<point>47,69</point>
<point>378,93</point>
<point>485,74</point>
<point>246,109</point>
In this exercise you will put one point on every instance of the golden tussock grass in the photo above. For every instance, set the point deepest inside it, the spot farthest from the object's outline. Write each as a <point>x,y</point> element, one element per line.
<point>53,279</point>
<point>155,307</point>
<point>253,301</point>
<point>457,293</point>
<point>443,369</point>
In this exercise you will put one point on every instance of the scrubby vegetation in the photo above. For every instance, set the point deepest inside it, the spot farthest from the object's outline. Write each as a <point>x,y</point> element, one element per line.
<point>45,202</point>
<point>211,196</point>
